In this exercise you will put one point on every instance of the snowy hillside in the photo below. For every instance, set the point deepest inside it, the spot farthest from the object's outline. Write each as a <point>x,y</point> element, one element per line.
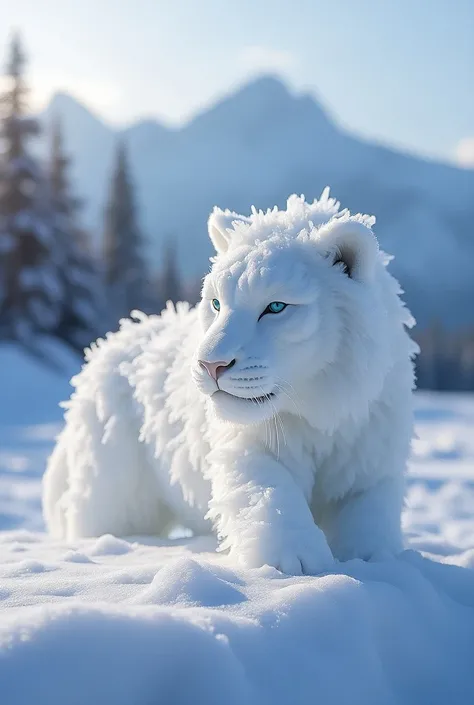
<point>30,419</point>
<point>138,622</point>
<point>263,143</point>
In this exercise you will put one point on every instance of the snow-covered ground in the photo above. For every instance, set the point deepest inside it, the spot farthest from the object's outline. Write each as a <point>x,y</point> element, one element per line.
<point>139,622</point>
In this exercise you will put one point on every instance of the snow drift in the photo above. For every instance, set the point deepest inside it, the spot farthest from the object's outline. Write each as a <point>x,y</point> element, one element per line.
<point>120,622</point>
<point>116,622</point>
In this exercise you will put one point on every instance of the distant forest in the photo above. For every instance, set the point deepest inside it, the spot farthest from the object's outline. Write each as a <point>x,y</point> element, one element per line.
<point>51,280</point>
<point>53,283</point>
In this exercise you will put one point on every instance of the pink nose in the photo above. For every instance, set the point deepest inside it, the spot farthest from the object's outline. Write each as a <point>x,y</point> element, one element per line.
<point>215,369</point>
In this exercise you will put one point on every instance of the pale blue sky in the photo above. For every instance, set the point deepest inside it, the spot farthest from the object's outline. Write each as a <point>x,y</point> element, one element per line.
<point>399,71</point>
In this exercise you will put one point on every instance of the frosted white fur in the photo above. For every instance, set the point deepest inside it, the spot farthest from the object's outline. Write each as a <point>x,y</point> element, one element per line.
<point>314,471</point>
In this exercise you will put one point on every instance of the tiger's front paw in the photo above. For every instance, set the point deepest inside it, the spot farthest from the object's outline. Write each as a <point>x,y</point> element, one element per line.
<point>293,552</point>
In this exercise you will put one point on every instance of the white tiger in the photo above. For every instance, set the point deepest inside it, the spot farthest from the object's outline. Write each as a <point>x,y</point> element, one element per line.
<point>279,410</point>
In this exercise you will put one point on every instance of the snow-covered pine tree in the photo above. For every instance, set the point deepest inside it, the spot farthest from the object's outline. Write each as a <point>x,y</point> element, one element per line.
<point>30,300</point>
<point>79,322</point>
<point>127,282</point>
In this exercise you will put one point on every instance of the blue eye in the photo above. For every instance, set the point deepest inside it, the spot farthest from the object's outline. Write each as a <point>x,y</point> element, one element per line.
<point>274,307</point>
<point>216,304</point>
<point>277,306</point>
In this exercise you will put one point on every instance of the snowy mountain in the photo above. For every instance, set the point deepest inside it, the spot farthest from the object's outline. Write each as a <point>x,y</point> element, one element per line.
<point>262,143</point>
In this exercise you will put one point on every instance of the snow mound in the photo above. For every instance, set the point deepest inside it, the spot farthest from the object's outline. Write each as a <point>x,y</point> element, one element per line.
<point>175,623</point>
<point>186,581</point>
<point>109,545</point>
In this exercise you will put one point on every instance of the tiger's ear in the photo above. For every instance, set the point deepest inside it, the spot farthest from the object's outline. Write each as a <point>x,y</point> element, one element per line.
<point>221,228</point>
<point>351,242</point>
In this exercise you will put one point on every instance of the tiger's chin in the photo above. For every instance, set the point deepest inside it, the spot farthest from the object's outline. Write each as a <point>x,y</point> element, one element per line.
<point>244,410</point>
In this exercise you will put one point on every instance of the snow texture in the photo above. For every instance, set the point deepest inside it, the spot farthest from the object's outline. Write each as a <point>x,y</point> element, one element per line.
<point>299,453</point>
<point>143,621</point>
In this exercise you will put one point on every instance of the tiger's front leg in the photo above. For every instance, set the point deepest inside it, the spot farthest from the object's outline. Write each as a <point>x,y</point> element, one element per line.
<point>262,516</point>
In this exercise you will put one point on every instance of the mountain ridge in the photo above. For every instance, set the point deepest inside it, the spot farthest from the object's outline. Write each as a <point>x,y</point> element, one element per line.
<point>258,145</point>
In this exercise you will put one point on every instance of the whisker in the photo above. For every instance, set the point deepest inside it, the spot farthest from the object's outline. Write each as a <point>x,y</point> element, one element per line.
<point>282,426</point>
<point>266,442</point>
<point>273,418</point>
<point>278,420</point>
<point>281,389</point>
<point>277,438</point>
<point>280,384</point>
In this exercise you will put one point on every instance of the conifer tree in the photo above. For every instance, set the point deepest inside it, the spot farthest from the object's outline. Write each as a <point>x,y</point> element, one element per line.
<point>127,283</point>
<point>79,323</point>
<point>171,287</point>
<point>31,294</point>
